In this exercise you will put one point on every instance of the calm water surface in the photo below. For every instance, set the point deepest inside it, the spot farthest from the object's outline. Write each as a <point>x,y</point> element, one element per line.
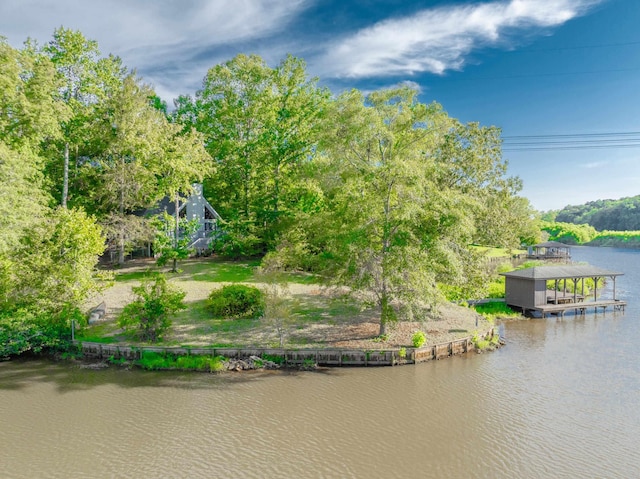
<point>561,399</point>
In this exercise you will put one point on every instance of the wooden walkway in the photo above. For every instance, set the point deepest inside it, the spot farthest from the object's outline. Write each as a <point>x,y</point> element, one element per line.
<point>579,307</point>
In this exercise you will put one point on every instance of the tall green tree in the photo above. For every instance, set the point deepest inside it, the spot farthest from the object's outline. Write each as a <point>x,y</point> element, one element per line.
<point>29,92</point>
<point>29,114</point>
<point>260,126</point>
<point>75,58</point>
<point>56,264</point>
<point>380,194</point>
<point>184,162</point>
<point>406,186</point>
<point>122,174</point>
<point>86,80</point>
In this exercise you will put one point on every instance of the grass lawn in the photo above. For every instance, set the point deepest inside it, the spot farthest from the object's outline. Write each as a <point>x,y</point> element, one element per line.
<point>499,252</point>
<point>320,317</point>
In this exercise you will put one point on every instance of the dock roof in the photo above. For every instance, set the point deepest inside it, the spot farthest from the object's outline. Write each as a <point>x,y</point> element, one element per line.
<point>561,271</point>
<point>551,244</point>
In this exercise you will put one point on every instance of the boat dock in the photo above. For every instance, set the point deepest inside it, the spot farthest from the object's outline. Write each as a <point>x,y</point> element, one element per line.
<point>580,307</point>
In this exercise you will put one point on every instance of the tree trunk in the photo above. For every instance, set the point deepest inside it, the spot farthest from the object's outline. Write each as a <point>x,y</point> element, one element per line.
<point>176,233</point>
<point>121,250</point>
<point>386,313</point>
<point>65,176</point>
<point>383,327</point>
<point>122,227</point>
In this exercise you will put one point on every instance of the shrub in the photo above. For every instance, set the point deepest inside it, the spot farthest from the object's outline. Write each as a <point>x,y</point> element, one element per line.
<point>150,314</point>
<point>495,309</point>
<point>23,330</point>
<point>154,361</point>
<point>418,339</point>
<point>237,301</point>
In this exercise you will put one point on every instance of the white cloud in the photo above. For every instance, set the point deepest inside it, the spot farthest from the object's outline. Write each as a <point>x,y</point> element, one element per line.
<point>411,84</point>
<point>125,25</point>
<point>152,35</point>
<point>439,39</point>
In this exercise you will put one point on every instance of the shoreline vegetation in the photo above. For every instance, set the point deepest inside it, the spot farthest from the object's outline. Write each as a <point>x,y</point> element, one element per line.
<point>587,235</point>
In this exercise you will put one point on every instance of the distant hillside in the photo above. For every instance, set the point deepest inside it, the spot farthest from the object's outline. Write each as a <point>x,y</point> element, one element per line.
<point>612,215</point>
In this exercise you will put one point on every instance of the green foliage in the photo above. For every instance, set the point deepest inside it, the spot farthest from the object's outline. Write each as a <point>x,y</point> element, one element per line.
<point>496,288</point>
<point>278,306</point>
<point>293,252</point>
<point>614,215</point>
<point>572,286</point>
<point>402,353</point>
<point>279,360</point>
<point>54,267</point>
<point>495,309</point>
<point>617,239</point>
<point>569,233</point>
<point>382,193</point>
<point>18,180</point>
<point>25,331</point>
<point>407,190</point>
<point>418,339</point>
<point>237,301</point>
<point>170,245</point>
<point>481,343</point>
<point>156,361</point>
<point>149,316</point>
<point>381,338</point>
<point>239,239</point>
<point>264,123</point>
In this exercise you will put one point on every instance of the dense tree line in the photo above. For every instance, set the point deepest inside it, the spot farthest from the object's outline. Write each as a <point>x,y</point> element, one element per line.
<point>612,215</point>
<point>569,233</point>
<point>380,192</point>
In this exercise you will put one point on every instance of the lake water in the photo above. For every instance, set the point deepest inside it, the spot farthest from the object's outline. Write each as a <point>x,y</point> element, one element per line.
<point>561,399</point>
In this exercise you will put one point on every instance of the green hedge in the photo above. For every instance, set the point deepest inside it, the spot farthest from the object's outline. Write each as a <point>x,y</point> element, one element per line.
<point>236,301</point>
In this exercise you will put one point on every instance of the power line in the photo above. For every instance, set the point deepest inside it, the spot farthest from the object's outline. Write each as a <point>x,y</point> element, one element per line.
<point>573,141</point>
<point>571,147</point>
<point>577,47</point>
<point>572,135</point>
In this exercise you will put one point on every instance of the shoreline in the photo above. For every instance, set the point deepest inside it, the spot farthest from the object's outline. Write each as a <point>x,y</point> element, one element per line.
<point>248,358</point>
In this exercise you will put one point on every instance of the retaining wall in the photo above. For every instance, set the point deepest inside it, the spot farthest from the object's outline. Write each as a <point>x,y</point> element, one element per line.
<point>293,357</point>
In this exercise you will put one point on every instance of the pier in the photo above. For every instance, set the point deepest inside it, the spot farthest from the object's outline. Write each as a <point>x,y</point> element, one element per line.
<point>527,289</point>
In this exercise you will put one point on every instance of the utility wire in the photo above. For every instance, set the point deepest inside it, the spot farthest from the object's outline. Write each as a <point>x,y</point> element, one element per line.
<point>575,141</point>
<point>577,47</point>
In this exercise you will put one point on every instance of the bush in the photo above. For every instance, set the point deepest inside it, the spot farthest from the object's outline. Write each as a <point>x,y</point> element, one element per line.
<point>418,339</point>
<point>237,301</point>
<point>495,309</point>
<point>150,314</point>
<point>25,331</point>
<point>155,361</point>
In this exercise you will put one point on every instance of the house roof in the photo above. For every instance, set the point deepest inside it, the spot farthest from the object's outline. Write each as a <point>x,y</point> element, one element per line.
<point>560,272</point>
<point>551,244</point>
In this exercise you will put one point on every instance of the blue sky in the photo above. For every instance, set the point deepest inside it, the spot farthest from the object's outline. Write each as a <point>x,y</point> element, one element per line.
<point>532,67</point>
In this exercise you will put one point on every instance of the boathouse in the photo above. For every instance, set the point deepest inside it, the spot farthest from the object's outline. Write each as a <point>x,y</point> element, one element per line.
<point>529,289</point>
<point>550,250</point>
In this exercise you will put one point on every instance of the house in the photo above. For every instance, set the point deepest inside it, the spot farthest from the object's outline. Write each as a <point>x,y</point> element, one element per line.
<point>194,207</point>
<point>527,290</point>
